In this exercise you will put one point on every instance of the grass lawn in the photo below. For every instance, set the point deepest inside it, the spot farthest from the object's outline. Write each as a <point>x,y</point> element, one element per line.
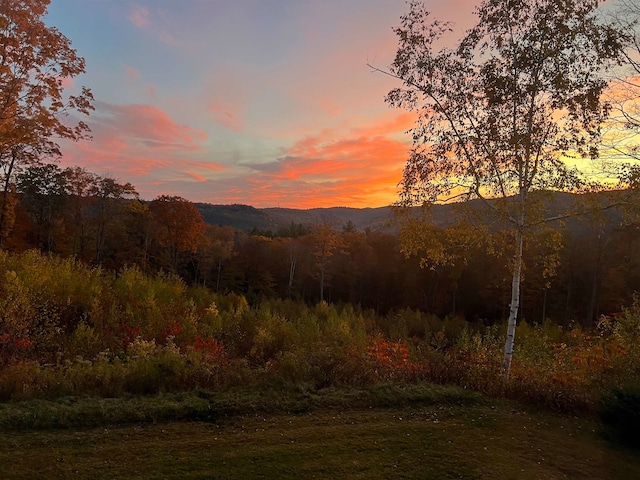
<point>485,440</point>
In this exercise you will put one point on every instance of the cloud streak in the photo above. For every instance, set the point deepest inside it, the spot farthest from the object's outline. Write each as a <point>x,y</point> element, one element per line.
<point>142,144</point>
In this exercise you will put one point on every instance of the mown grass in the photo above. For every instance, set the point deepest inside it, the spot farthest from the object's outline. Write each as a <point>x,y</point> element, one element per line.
<point>77,412</point>
<point>399,432</point>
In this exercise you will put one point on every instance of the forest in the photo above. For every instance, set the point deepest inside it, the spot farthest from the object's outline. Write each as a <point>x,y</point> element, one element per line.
<point>575,271</point>
<point>100,289</point>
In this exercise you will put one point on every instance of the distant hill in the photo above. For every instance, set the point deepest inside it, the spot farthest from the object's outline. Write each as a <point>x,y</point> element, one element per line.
<point>245,217</point>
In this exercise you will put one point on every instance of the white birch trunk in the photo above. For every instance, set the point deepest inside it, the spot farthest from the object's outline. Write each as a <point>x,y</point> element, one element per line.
<point>515,303</point>
<point>293,258</point>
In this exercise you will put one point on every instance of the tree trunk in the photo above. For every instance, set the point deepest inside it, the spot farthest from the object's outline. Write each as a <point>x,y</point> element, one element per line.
<point>50,222</point>
<point>515,303</point>
<point>99,241</point>
<point>292,271</point>
<point>322,261</point>
<point>218,275</point>
<point>322,283</point>
<point>145,253</point>
<point>78,231</point>
<point>455,291</point>
<point>5,197</point>
<point>592,314</point>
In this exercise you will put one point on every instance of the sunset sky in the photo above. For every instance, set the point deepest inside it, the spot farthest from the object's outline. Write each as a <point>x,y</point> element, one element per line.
<point>260,102</point>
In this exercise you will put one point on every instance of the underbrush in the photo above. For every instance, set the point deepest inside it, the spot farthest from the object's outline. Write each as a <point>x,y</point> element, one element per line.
<point>70,330</point>
<point>619,412</point>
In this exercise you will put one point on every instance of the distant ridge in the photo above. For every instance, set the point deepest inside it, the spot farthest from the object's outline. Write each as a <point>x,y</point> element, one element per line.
<point>245,217</point>
<point>248,218</point>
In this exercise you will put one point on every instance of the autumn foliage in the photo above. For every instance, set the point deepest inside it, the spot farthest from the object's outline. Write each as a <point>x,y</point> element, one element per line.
<point>68,328</point>
<point>36,60</point>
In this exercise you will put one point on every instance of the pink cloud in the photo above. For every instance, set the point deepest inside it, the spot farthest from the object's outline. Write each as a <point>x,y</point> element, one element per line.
<point>67,83</point>
<point>151,90</point>
<point>224,115</point>
<point>227,97</point>
<point>207,166</point>
<point>143,145</point>
<point>149,125</point>
<point>132,72</point>
<point>138,15</point>
<point>168,39</point>
<point>197,177</point>
<point>134,79</point>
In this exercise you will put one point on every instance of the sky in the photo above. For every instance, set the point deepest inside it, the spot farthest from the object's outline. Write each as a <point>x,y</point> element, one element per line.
<point>260,102</point>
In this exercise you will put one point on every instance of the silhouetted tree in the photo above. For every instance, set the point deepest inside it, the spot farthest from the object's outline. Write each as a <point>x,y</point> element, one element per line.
<point>499,112</point>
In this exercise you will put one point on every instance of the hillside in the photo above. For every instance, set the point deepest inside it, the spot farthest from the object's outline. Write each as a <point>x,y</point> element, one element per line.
<point>245,217</point>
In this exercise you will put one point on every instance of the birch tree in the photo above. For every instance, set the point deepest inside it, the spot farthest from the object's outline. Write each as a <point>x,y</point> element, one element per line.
<point>505,115</point>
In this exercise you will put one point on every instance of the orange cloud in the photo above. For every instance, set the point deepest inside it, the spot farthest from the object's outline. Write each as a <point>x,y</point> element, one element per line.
<point>361,168</point>
<point>399,123</point>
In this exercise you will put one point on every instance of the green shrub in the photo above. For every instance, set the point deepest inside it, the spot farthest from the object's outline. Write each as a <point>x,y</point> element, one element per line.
<point>620,413</point>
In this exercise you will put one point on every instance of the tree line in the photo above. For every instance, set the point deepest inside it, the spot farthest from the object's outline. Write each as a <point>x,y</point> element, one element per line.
<point>574,273</point>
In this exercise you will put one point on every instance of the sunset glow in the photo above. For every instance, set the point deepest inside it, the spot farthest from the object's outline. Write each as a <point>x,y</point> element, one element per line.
<point>260,103</point>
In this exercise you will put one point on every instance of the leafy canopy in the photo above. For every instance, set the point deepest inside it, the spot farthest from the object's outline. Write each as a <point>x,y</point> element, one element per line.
<point>35,62</point>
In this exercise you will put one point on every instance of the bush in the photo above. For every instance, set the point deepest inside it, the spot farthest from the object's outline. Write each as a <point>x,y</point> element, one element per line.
<point>620,413</point>
<point>69,329</point>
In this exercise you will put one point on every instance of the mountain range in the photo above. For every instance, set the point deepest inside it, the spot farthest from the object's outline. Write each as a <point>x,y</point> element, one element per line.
<point>245,217</point>
<point>248,218</point>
